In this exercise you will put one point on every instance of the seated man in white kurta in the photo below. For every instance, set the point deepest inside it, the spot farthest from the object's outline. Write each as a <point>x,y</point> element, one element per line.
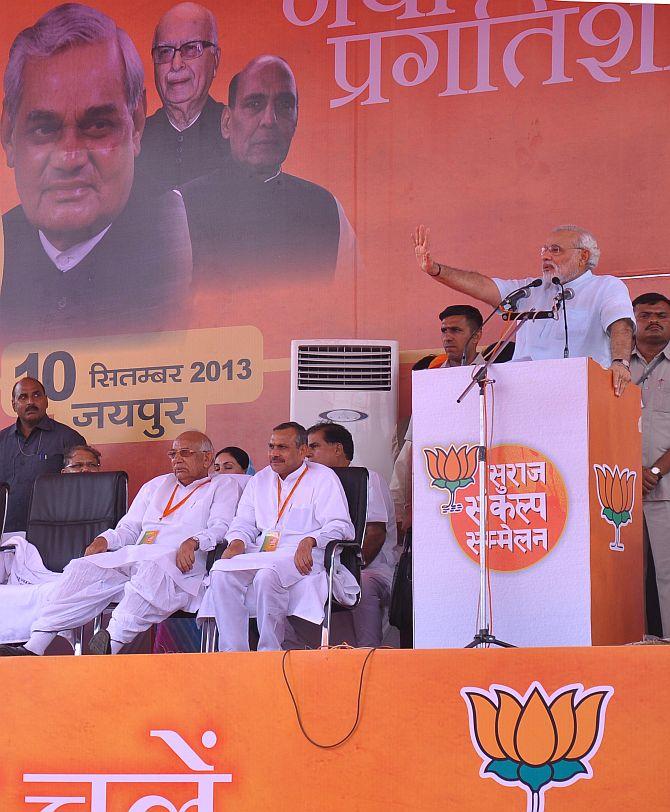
<point>273,564</point>
<point>153,563</point>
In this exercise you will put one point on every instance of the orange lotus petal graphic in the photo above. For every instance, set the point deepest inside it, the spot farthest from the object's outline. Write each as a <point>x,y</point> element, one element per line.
<point>431,462</point>
<point>536,741</point>
<point>563,712</point>
<point>452,466</point>
<point>536,736</point>
<point>509,710</point>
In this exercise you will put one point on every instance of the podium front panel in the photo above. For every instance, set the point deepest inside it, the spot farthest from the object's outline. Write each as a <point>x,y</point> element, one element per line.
<point>538,539</point>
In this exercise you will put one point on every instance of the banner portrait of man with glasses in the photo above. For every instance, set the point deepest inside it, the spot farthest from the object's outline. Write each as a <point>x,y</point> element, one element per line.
<point>182,139</point>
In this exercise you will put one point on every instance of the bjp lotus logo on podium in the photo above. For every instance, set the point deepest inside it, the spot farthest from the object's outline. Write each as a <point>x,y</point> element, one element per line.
<point>536,741</point>
<point>450,470</point>
<point>616,494</point>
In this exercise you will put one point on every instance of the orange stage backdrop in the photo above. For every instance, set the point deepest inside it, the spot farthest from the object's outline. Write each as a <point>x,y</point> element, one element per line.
<point>576,729</point>
<point>490,121</point>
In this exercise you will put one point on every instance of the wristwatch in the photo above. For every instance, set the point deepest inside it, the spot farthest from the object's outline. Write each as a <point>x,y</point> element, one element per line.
<point>656,471</point>
<point>622,361</point>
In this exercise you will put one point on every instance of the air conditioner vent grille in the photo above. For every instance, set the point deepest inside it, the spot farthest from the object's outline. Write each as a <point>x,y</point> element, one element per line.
<point>344,366</point>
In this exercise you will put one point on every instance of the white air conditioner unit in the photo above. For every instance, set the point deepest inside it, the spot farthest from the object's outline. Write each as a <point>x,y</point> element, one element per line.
<point>352,382</point>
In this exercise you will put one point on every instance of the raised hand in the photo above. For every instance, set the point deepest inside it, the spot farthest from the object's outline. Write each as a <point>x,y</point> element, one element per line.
<point>420,240</point>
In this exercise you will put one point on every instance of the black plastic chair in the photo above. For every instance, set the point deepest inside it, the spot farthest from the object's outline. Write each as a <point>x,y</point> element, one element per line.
<point>67,511</point>
<point>355,483</point>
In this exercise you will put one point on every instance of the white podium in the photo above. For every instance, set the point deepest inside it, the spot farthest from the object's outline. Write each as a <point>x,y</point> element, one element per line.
<point>564,539</point>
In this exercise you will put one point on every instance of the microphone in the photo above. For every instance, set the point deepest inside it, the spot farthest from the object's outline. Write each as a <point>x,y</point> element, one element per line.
<point>510,301</point>
<point>520,293</point>
<point>564,296</point>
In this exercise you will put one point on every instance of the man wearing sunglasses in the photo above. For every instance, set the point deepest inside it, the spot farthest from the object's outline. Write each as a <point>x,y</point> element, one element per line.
<point>182,139</point>
<point>152,563</point>
<point>598,308</point>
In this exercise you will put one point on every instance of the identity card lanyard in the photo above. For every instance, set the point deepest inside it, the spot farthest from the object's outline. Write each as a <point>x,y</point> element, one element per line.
<point>170,508</point>
<point>271,539</point>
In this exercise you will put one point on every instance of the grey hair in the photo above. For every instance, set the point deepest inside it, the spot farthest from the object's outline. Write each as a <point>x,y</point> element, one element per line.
<point>587,241</point>
<point>206,444</point>
<point>63,27</point>
<point>72,450</point>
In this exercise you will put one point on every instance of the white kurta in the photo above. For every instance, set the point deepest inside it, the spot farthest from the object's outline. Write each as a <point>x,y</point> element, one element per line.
<point>143,577</point>
<point>317,509</point>
<point>25,584</point>
<point>206,515</point>
<point>597,303</point>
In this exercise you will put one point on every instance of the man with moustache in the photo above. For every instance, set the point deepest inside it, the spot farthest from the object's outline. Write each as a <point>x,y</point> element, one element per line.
<point>152,563</point>
<point>599,313</point>
<point>182,139</point>
<point>34,445</point>
<point>86,246</point>
<point>273,565</point>
<point>250,215</point>
<point>650,368</point>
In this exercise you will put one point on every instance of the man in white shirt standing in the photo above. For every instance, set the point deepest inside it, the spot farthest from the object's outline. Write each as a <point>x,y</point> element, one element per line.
<point>153,563</point>
<point>598,308</point>
<point>332,445</point>
<point>273,564</point>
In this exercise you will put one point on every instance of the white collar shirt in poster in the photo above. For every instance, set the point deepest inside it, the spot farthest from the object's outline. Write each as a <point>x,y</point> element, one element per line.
<point>381,509</point>
<point>206,513</point>
<point>597,303</point>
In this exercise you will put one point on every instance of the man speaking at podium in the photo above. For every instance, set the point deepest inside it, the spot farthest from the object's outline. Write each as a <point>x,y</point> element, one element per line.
<point>598,308</point>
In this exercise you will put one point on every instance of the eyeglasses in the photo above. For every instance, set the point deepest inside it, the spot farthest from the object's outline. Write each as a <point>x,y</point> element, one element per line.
<point>161,54</point>
<point>555,250</point>
<point>83,466</point>
<point>184,453</point>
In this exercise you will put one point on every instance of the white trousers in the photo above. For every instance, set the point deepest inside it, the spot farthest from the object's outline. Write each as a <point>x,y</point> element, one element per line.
<point>229,592</point>
<point>145,595</point>
<point>657,527</point>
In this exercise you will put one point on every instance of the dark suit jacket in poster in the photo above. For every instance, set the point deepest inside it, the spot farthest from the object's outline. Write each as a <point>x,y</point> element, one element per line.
<point>240,223</point>
<point>129,281</point>
<point>169,158</point>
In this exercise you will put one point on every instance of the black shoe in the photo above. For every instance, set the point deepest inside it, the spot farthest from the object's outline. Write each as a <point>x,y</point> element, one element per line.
<point>101,643</point>
<point>15,651</point>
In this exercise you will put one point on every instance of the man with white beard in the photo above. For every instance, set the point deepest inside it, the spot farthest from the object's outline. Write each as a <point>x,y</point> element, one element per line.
<point>598,308</point>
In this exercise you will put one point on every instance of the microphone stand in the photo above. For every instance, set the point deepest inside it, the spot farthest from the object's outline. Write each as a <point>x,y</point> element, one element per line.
<point>480,377</point>
<point>557,281</point>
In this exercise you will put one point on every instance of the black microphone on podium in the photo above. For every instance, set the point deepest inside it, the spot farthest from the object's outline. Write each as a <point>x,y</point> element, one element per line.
<point>562,298</point>
<point>511,301</point>
<point>515,296</point>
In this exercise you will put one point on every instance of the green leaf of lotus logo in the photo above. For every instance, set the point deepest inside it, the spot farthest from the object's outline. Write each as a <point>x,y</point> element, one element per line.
<point>536,741</point>
<point>451,469</point>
